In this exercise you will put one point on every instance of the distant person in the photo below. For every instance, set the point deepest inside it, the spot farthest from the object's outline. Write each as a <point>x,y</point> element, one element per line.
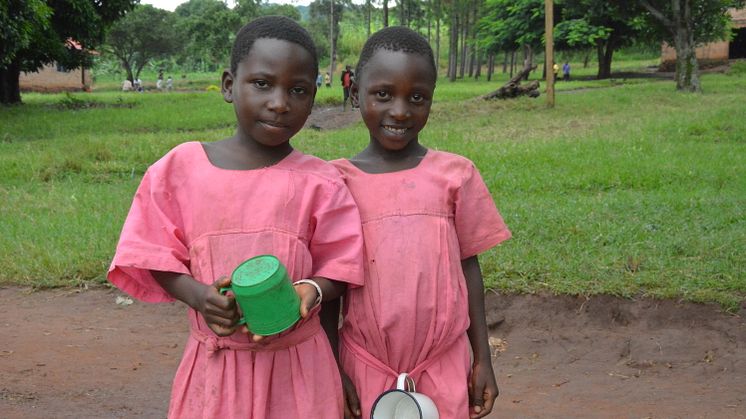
<point>319,80</point>
<point>566,71</point>
<point>205,207</point>
<point>555,70</point>
<point>327,80</point>
<point>127,85</point>
<point>346,79</point>
<point>138,85</point>
<point>159,82</point>
<point>427,216</point>
<point>169,83</point>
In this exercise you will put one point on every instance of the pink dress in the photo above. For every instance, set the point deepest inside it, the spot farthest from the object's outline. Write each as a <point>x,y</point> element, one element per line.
<point>191,217</point>
<point>412,314</point>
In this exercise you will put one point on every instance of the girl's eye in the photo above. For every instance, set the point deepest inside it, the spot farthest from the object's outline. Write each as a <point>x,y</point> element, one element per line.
<point>417,98</point>
<point>298,90</point>
<point>261,84</point>
<point>382,94</point>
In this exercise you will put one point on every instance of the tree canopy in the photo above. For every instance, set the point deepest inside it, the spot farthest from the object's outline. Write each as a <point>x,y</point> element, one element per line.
<point>37,32</point>
<point>142,35</point>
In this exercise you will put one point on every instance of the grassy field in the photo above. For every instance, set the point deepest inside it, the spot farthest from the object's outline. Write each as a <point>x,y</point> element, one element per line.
<point>625,187</point>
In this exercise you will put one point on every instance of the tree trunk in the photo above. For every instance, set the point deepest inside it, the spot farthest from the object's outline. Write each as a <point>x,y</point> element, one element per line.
<point>453,47</point>
<point>332,46</point>
<point>367,17</point>
<point>512,63</point>
<point>513,87</point>
<point>528,59</point>
<point>385,13</point>
<point>437,32</point>
<point>679,24</point>
<point>605,51</point>
<point>505,62</point>
<point>687,67</point>
<point>10,91</point>
<point>464,47</point>
<point>586,58</point>
<point>490,66</point>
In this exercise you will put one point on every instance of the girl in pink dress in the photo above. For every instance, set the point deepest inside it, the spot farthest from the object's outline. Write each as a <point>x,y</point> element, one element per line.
<point>426,217</point>
<point>205,207</point>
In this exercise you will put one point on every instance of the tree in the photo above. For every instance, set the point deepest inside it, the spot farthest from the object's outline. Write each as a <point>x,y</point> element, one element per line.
<point>601,24</point>
<point>208,27</point>
<point>37,32</point>
<point>685,24</point>
<point>144,34</point>
<point>508,25</point>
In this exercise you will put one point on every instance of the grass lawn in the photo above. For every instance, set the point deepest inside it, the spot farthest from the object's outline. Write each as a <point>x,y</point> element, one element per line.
<point>624,188</point>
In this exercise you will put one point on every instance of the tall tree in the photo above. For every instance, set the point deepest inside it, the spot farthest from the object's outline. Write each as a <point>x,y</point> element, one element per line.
<point>685,24</point>
<point>507,25</point>
<point>36,32</point>
<point>142,35</point>
<point>208,27</point>
<point>605,25</point>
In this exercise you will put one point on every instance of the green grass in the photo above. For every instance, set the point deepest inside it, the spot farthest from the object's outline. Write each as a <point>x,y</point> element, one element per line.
<point>627,188</point>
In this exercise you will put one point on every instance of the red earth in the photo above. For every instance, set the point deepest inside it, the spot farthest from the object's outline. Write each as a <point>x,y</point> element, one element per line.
<point>79,353</point>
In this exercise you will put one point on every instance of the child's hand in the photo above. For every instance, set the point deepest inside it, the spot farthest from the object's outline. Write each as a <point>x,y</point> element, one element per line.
<point>482,389</point>
<point>219,311</point>
<point>308,300</point>
<point>352,402</point>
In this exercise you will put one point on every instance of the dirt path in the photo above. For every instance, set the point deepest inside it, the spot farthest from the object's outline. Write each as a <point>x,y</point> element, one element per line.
<point>70,353</point>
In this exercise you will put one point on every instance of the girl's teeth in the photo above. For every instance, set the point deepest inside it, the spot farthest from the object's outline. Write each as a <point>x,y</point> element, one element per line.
<point>396,130</point>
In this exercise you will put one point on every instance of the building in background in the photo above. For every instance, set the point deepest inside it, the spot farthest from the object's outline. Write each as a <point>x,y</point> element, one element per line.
<point>56,78</point>
<point>715,53</point>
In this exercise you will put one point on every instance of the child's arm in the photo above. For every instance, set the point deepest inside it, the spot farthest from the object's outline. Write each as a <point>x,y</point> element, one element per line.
<point>219,311</point>
<point>482,386</point>
<point>330,322</point>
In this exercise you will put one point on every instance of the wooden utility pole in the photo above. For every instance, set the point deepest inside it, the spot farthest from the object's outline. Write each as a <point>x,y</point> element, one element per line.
<point>549,49</point>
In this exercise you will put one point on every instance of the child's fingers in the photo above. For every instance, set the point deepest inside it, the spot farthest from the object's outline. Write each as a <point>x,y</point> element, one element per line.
<point>308,296</point>
<point>222,282</point>
<point>489,401</point>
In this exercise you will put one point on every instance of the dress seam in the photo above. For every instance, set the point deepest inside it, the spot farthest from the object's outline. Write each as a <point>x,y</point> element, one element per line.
<point>408,214</point>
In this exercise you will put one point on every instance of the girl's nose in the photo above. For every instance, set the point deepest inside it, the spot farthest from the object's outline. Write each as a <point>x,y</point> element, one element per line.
<point>279,101</point>
<point>400,109</point>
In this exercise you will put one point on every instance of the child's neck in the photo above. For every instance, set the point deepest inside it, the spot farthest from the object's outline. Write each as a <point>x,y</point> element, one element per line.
<point>235,153</point>
<point>377,159</point>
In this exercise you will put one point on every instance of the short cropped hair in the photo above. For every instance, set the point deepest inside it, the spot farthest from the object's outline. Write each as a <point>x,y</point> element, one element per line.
<point>395,38</point>
<point>273,27</point>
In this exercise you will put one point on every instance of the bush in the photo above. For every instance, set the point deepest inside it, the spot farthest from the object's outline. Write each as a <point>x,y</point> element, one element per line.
<point>737,69</point>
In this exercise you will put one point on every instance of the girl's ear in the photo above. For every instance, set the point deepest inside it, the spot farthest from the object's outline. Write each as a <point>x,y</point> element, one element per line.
<point>227,86</point>
<point>354,98</point>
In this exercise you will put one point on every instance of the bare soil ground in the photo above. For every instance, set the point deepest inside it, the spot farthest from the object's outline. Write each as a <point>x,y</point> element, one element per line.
<point>79,353</point>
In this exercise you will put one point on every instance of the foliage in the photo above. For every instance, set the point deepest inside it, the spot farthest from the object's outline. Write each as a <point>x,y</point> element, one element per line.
<point>604,25</point>
<point>708,20</point>
<point>34,33</point>
<point>208,28</point>
<point>142,35</point>
<point>21,21</point>
<point>508,25</point>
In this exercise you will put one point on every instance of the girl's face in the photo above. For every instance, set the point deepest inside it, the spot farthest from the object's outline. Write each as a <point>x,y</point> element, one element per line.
<point>395,93</point>
<point>272,91</point>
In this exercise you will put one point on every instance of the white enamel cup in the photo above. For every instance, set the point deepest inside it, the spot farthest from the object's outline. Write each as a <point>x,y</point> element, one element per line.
<point>404,404</point>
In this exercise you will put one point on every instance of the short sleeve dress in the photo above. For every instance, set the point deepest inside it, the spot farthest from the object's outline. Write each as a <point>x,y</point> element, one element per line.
<point>189,216</point>
<point>412,314</point>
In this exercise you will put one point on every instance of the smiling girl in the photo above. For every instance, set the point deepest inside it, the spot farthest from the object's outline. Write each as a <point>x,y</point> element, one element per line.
<point>426,216</point>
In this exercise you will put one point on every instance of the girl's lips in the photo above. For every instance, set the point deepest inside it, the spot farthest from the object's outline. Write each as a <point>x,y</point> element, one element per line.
<point>395,130</point>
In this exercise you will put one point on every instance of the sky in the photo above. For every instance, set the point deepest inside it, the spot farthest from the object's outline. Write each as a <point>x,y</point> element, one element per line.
<point>171,4</point>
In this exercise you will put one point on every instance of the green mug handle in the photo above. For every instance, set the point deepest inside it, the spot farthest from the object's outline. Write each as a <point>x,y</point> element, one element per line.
<point>222,291</point>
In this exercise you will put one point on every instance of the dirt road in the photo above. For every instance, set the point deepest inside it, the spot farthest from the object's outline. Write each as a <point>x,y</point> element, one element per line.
<point>79,354</point>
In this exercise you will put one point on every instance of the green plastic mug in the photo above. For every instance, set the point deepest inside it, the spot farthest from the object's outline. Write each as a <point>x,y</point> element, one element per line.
<point>265,294</point>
